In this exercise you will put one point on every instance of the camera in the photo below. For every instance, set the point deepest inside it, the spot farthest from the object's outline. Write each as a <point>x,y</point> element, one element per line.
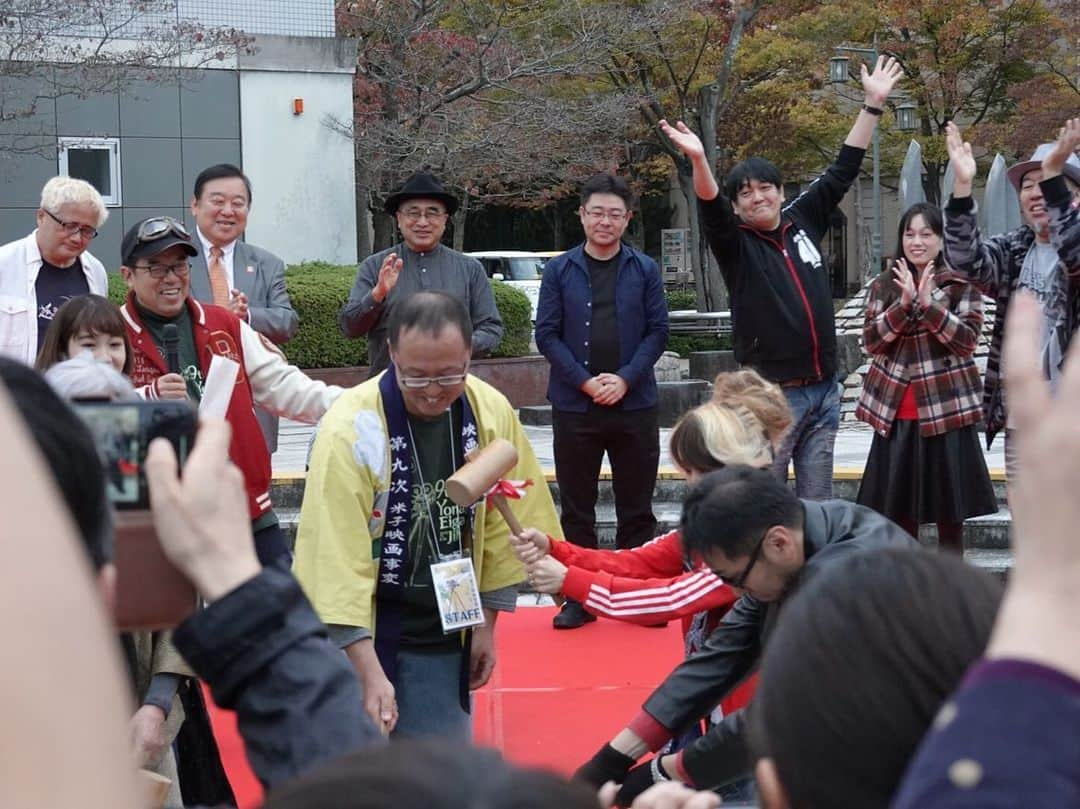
<point>150,592</point>
<point>122,432</point>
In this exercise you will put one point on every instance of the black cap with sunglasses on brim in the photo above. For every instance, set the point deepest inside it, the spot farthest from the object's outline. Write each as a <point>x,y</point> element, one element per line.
<point>153,236</point>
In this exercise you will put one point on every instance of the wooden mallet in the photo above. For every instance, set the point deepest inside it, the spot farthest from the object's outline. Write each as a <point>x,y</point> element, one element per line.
<point>485,468</point>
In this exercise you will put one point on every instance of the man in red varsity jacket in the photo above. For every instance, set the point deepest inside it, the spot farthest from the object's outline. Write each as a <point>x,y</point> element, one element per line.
<point>155,254</point>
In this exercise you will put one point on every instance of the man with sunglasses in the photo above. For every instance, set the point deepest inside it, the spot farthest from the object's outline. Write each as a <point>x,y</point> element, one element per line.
<point>376,525</point>
<point>602,323</point>
<point>419,262</point>
<point>43,270</point>
<point>155,256</point>
<point>758,536</point>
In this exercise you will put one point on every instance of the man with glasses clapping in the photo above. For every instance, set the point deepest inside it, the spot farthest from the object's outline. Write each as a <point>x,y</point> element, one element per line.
<point>155,255</point>
<point>420,262</point>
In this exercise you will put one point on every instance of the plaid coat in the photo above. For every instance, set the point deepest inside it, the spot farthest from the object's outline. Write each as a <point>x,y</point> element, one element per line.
<point>994,266</point>
<point>930,349</point>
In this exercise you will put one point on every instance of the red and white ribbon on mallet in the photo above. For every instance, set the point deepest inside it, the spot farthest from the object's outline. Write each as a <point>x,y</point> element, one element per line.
<point>482,477</point>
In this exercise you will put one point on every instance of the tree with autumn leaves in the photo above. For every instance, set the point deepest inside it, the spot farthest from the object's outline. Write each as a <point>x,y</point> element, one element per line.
<point>518,100</point>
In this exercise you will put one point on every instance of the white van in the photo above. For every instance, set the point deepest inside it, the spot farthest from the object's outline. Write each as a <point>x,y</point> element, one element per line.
<point>517,268</point>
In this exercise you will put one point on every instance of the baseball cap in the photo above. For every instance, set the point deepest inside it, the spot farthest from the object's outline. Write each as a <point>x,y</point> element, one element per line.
<point>152,236</point>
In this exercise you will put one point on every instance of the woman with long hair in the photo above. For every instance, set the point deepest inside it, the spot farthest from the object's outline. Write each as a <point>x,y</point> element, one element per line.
<point>922,394</point>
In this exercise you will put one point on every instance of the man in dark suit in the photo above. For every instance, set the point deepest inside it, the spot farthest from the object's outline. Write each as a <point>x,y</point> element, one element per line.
<point>229,272</point>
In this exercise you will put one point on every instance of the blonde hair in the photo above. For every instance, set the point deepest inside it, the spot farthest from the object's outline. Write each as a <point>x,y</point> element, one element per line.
<point>64,190</point>
<point>765,400</point>
<point>741,425</point>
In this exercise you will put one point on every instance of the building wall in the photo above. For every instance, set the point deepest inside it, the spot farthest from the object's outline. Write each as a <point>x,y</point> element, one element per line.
<point>301,170</point>
<point>168,132</point>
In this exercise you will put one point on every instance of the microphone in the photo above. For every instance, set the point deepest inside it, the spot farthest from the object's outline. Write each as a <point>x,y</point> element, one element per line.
<point>170,347</point>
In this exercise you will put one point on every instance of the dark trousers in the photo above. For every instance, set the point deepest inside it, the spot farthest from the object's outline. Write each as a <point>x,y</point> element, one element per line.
<point>271,546</point>
<point>632,443</point>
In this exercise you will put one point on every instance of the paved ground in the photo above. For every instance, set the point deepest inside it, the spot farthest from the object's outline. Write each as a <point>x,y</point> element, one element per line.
<point>852,447</point>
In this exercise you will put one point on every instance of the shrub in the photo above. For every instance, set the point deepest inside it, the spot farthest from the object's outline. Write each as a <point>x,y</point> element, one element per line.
<point>516,313</point>
<point>318,291</point>
<point>117,288</point>
<point>685,344</point>
<point>680,298</point>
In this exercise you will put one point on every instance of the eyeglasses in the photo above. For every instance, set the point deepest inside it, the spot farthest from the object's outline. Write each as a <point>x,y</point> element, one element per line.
<point>740,580</point>
<point>153,229</point>
<point>158,271</point>
<point>71,228</point>
<point>599,213</point>
<point>431,214</point>
<point>417,382</point>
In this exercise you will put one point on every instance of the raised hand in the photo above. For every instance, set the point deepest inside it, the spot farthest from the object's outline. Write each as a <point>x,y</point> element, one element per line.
<point>927,285</point>
<point>963,161</point>
<point>1036,621</point>
<point>878,85</point>
<point>685,141</point>
<point>905,281</point>
<point>1067,143</point>
<point>388,276</point>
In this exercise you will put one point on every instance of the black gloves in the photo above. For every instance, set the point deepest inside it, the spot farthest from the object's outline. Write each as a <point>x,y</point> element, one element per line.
<point>607,765</point>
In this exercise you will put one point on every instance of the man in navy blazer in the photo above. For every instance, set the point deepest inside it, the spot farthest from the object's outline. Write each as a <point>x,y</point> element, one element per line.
<point>602,323</point>
<point>230,272</point>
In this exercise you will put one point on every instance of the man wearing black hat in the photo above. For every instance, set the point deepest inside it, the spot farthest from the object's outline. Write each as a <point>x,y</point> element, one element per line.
<point>1041,256</point>
<point>419,262</point>
<point>155,255</point>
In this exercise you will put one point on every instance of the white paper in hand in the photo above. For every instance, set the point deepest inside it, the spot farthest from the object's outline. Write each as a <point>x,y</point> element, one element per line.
<point>218,387</point>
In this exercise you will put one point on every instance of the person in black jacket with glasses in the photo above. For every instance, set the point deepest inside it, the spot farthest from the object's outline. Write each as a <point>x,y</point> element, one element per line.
<point>781,298</point>
<point>771,543</point>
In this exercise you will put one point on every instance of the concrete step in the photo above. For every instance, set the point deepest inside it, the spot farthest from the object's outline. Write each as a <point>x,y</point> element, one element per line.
<point>288,492</point>
<point>535,415</point>
<point>988,538</point>
<point>673,399</point>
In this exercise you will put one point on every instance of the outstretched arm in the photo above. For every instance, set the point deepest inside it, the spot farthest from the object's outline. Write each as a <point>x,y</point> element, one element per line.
<point>690,145</point>
<point>876,89</point>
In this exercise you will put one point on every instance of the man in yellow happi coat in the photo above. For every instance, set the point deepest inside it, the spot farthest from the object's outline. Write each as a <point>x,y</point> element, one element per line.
<point>376,525</point>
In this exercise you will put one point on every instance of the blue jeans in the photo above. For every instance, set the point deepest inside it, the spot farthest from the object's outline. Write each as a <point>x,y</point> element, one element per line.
<point>810,441</point>
<point>427,693</point>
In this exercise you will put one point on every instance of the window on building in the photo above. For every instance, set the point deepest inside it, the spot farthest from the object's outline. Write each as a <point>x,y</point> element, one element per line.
<point>96,160</point>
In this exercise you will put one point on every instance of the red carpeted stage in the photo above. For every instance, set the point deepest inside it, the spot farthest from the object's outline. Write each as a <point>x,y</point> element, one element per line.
<point>554,698</point>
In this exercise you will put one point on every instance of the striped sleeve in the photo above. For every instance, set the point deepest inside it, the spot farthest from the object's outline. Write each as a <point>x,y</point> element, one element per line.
<point>648,601</point>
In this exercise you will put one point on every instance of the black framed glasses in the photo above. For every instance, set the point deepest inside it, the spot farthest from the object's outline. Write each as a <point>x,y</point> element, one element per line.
<point>154,228</point>
<point>740,580</point>
<point>180,269</point>
<point>418,382</point>
<point>71,228</point>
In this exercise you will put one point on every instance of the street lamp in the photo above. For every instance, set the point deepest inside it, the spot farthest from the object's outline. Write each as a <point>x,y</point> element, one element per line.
<point>838,69</point>
<point>905,116</point>
<point>838,73</point>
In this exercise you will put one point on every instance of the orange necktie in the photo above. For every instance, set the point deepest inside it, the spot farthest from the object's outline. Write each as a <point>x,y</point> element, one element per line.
<point>219,283</point>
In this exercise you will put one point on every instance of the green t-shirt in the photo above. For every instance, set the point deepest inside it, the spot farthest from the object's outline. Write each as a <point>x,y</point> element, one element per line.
<point>188,356</point>
<point>186,352</point>
<point>437,528</point>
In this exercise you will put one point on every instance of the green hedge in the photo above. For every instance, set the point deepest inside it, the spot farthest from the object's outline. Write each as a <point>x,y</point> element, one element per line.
<point>319,290</point>
<point>685,344</point>
<point>516,313</point>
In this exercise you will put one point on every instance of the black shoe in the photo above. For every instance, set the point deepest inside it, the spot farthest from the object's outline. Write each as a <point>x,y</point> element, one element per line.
<point>571,616</point>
